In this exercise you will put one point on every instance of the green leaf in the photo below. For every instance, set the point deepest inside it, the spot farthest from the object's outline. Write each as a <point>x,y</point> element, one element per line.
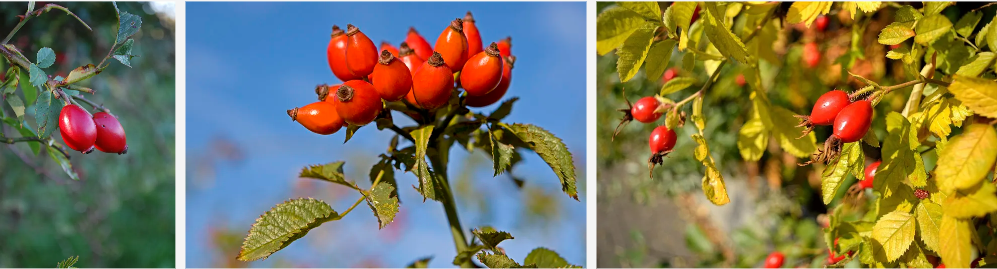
<point>494,260</point>
<point>967,158</point>
<point>383,201</point>
<point>807,12</point>
<point>634,50</point>
<point>128,25</point>
<point>332,172</point>
<point>955,242</point>
<point>615,25</point>
<point>676,84</point>
<point>282,225</point>
<point>38,77</point>
<point>490,238</point>
<point>545,258</point>
<point>501,153</point>
<point>678,16</point>
<point>837,170</point>
<point>967,23</point>
<point>19,125</point>
<point>649,10</point>
<point>720,36</point>
<point>978,94</point>
<point>17,105</point>
<point>427,184</point>
<point>420,263</point>
<point>895,33</point>
<point>552,150</point>
<point>871,139</point>
<point>931,27</point>
<point>895,232</point>
<point>900,161</point>
<point>658,57</point>
<point>977,64</point>
<point>907,13</point>
<point>971,203</point>
<point>784,128</point>
<point>47,112</point>
<point>991,35</point>
<point>753,139</point>
<point>929,219</point>
<point>63,162</point>
<point>697,113</point>
<point>68,262</point>
<point>45,57</point>
<point>688,62</point>
<point>933,8</point>
<point>467,254</point>
<point>915,257</point>
<point>713,182</point>
<point>981,37</point>
<point>124,53</point>
<point>899,53</point>
<point>81,73</point>
<point>503,110</point>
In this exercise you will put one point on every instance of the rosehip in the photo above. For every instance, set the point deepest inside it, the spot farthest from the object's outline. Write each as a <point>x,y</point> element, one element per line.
<point>774,260</point>
<point>319,117</point>
<point>821,23</point>
<point>336,54</point>
<point>474,45</point>
<point>853,121</point>
<point>811,54</point>
<point>357,102</point>
<point>77,128</point>
<point>505,46</point>
<point>669,75</point>
<point>361,54</point>
<point>499,91</point>
<point>387,46</point>
<point>323,92</point>
<point>419,44</point>
<point>870,175</point>
<point>409,57</point>
<point>482,72</point>
<point>828,106</point>
<point>392,79</point>
<point>110,134</point>
<point>662,140</point>
<point>643,110</point>
<point>452,45</point>
<point>432,84</point>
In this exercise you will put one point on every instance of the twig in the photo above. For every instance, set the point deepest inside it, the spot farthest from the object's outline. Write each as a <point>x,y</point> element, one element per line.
<point>27,16</point>
<point>438,130</point>
<point>91,103</point>
<point>363,195</point>
<point>984,6</point>
<point>401,132</point>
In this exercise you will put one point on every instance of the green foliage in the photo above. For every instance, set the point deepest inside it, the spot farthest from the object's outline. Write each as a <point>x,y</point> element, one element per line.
<point>68,262</point>
<point>282,225</point>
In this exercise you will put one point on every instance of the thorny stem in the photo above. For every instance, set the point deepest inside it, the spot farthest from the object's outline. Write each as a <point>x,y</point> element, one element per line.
<point>363,196</point>
<point>27,16</point>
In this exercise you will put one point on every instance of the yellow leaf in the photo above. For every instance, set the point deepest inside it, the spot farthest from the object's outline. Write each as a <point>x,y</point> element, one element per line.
<point>807,12</point>
<point>978,94</point>
<point>956,245</point>
<point>713,182</point>
<point>972,204</point>
<point>929,218</point>
<point>895,232</point>
<point>967,158</point>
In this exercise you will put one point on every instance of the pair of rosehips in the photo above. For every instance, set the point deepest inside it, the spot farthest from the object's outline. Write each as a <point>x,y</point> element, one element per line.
<point>83,132</point>
<point>850,122</point>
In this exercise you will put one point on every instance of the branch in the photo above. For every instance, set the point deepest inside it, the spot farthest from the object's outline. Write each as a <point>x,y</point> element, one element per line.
<point>401,132</point>
<point>438,130</point>
<point>91,103</point>
<point>362,195</point>
<point>12,140</point>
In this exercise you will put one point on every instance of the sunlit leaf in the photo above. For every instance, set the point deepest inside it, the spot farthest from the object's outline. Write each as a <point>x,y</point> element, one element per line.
<point>929,219</point>
<point>978,94</point>
<point>784,128</point>
<point>679,16</point>
<point>895,33</point>
<point>967,23</point>
<point>282,225</point>
<point>931,27</point>
<point>332,172</point>
<point>720,36</point>
<point>615,25</point>
<point>965,204</point>
<point>895,232</point>
<point>977,64</point>
<point>546,258</point>
<point>713,182</point>
<point>676,84</point>
<point>648,10</point>
<point>427,185</point>
<point>552,150</point>
<point>753,139</point>
<point>967,158</point>
<point>837,170</point>
<point>634,50</point>
<point>955,242</point>
<point>490,238</point>
<point>935,7</point>
<point>658,57</point>
<point>81,73</point>
<point>807,12</point>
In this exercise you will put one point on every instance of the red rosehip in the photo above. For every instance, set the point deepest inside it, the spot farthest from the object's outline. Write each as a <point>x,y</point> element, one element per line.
<point>472,35</point>
<point>452,45</point>
<point>643,110</point>
<point>432,84</point>
<point>336,54</point>
<point>110,134</point>
<point>319,117</point>
<point>821,22</point>
<point>385,45</point>
<point>361,54</point>
<point>499,91</point>
<point>505,46</point>
<point>409,57</point>
<point>669,75</point>
<point>828,106</point>
<point>774,260</point>
<point>357,102</point>
<point>811,54</point>
<point>870,175</point>
<point>662,139</point>
<point>482,72</point>
<point>77,128</point>
<point>740,80</point>
<point>392,79</point>
<point>419,44</point>
<point>853,121</point>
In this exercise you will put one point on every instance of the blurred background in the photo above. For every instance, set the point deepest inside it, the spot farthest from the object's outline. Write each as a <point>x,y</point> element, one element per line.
<point>121,211</point>
<point>774,204</point>
<point>249,62</point>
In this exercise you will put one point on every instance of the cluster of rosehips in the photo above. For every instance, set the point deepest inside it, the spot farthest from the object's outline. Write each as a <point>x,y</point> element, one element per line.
<point>417,73</point>
<point>83,132</point>
<point>850,121</point>
<point>648,110</point>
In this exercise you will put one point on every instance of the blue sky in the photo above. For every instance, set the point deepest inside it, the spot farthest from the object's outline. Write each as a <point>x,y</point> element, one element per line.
<point>249,62</point>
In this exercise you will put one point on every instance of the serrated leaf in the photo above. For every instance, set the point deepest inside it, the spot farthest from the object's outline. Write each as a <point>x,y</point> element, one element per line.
<point>784,128</point>
<point>978,94</point>
<point>676,84</point>
<point>45,57</point>
<point>282,225</point>
<point>658,57</point>
<point>965,204</point>
<point>552,150</point>
<point>420,263</point>
<point>915,257</point>
<point>128,25</point>
<point>427,184</point>
<point>713,182</point>
<point>991,35</point>
<point>967,158</point>
<point>907,13</point>
<point>837,170</point>
<point>124,53</point>
<point>81,73</point>
<point>895,232</point>
<point>807,12</point>
<point>634,50</point>
<point>495,260</point>
<point>895,33</point>
<point>981,37</point>
<point>648,10</point>
<point>383,201</point>
<point>68,262</point>
<point>977,64</point>
<point>490,238</point>
<point>546,258</point>
<point>37,76</point>
<point>933,8</point>
<point>753,139</point>
<point>332,172</point>
<point>929,219</point>
<point>931,27</point>
<point>900,161</point>
<point>679,16</point>
<point>503,110</point>
<point>350,131</point>
<point>501,154</point>
<point>720,36</point>
<point>63,162</point>
<point>955,242</point>
<point>898,53</point>
<point>967,23</point>
<point>615,25</point>
<point>47,112</point>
